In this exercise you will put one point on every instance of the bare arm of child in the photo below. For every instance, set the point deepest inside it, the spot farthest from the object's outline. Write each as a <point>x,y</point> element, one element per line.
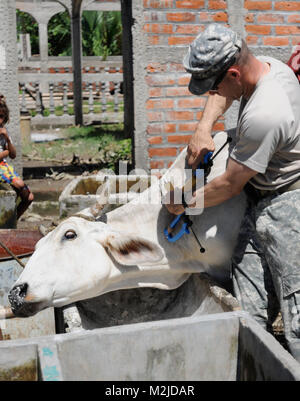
<point>11,150</point>
<point>3,155</point>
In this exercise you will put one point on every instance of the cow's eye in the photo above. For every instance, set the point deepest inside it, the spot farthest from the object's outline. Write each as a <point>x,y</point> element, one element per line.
<point>70,234</point>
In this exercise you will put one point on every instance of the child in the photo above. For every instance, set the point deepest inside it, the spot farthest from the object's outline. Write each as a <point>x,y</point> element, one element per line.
<point>7,173</point>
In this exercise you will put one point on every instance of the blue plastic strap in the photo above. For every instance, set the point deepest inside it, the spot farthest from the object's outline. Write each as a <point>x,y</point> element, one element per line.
<point>184,229</point>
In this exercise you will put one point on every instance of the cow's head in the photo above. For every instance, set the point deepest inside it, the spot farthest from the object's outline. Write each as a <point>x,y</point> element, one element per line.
<point>77,260</point>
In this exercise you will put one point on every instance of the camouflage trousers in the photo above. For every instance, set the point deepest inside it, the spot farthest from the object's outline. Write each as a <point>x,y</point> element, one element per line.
<point>266,264</point>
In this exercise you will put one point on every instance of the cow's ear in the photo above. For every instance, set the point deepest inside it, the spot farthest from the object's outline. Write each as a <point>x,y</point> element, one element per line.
<point>132,250</point>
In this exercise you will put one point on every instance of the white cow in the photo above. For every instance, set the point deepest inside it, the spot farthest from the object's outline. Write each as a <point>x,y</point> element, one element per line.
<point>82,259</point>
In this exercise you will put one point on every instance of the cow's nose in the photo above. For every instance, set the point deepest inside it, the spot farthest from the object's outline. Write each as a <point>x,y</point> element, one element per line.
<point>16,296</point>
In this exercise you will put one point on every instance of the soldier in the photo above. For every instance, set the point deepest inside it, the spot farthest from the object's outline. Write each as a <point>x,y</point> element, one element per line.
<point>265,161</point>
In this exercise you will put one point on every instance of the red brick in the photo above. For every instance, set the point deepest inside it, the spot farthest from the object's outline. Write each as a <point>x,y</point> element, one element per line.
<point>287,6</point>
<point>155,140</point>
<point>153,40</point>
<point>295,40</point>
<point>218,126</point>
<point>158,3</point>
<point>258,29</point>
<point>188,29</point>
<point>162,152</point>
<point>183,91</point>
<point>160,104</point>
<point>270,18</point>
<point>217,5</point>
<point>195,102</point>
<point>179,138</point>
<point>294,19</point>
<point>205,17</point>
<point>276,41</point>
<point>258,5</point>
<point>193,4</point>
<point>181,17</point>
<point>175,67</point>
<point>249,18</point>
<point>157,164</point>
<point>184,80</point>
<point>187,127</point>
<point>180,115</point>
<point>159,80</point>
<point>251,40</point>
<point>156,67</point>
<point>220,17</point>
<point>155,116</point>
<point>198,115</point>
<point>180,40</point>
<point>155,92</point>
<point>287,30</point>
<point>167,128</point>
<point>158,28</point>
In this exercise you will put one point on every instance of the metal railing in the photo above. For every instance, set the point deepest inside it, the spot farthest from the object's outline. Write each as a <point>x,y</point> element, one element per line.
<point>48,97</point>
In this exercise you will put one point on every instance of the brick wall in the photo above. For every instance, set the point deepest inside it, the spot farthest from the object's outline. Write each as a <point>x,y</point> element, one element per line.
<point>168,26</point>
<point>172,112</point>
<point>272,23</point>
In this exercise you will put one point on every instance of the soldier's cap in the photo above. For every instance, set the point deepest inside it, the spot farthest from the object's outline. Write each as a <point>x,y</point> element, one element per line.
<point>211,53</point>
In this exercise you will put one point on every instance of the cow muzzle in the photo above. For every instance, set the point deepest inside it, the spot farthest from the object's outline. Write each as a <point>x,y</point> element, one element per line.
<point>21,304</point>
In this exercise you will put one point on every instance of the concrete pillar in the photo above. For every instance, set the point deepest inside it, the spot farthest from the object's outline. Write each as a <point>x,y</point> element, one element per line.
<point>43,42</point>
<point>42,12</point>
<point>8,73</point>
<point>74,7</point>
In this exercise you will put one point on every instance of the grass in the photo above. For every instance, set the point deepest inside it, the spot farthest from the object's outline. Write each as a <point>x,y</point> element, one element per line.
<point>92,144</point>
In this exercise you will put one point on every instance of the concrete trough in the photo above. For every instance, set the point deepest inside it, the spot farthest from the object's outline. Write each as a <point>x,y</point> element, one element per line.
<point>199,295</point>
<point>83,192</point>
<point>41,324</point>
<point>224,347</point>
<point>8,211</point>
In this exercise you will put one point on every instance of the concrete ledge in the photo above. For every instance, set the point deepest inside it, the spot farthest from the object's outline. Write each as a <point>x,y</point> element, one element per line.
<point>212,347</point>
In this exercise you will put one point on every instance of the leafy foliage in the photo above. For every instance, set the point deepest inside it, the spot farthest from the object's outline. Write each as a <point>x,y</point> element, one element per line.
<point>59,35</point>
<point>101,33</point>
<point>27,24</point>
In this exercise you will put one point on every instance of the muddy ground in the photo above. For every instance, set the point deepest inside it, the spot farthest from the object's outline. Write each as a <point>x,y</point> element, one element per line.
<point>48,190</point>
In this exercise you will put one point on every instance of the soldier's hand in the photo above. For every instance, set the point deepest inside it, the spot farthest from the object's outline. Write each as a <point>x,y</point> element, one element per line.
<point>200,144</point>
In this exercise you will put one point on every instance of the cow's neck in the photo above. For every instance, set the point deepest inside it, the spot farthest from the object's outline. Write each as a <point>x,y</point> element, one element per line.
<point>149,221</point>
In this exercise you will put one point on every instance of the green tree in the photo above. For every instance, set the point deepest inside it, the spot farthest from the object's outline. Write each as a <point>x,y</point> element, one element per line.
<point>101,33</point>
<point>27,24</point>
<point>59,35</point>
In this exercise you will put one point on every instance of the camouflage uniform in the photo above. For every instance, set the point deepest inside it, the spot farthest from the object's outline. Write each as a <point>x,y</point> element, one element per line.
<point>206,63</point>
<point>266,273</point>
<point>266,263</point>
